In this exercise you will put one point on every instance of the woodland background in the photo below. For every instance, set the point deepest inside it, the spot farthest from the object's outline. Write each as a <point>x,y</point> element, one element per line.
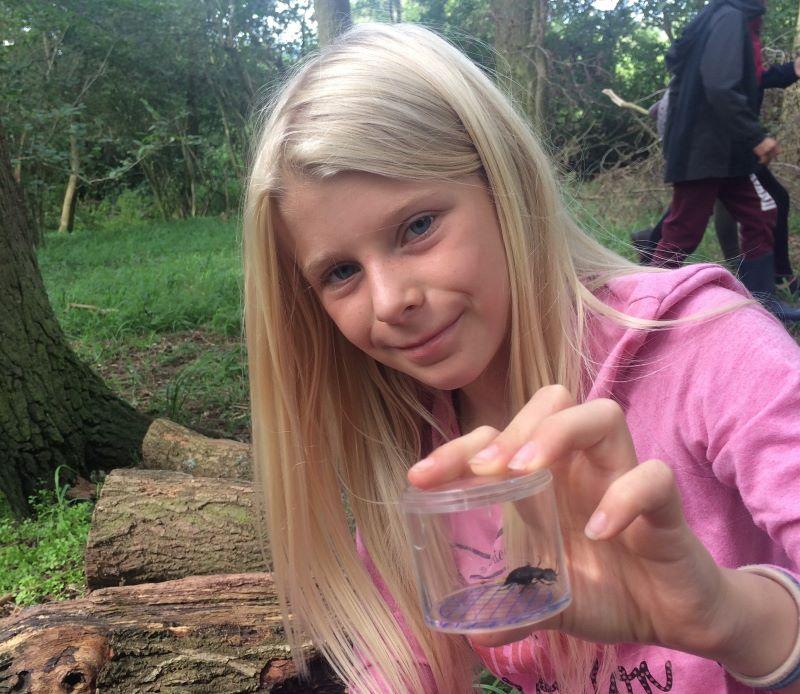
<point>124,135</point>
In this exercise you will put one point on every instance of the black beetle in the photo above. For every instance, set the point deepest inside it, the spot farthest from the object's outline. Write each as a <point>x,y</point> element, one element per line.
<point>525,575</point>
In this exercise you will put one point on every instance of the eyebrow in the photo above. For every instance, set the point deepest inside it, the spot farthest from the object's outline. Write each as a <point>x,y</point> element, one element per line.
<point>320,262</point>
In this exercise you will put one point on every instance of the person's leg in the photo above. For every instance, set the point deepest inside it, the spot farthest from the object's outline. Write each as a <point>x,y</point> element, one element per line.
<point>749,205</point>
<point>755,211</point>
<point>783,266</point>
<point>646,240</point>
<point>683,228</point>
<point>727,233</point>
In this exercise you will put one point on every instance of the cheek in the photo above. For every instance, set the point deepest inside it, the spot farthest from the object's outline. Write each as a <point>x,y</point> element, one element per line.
<point>351,322</point>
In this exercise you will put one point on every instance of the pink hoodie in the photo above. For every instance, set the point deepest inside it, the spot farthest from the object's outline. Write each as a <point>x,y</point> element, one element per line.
<point>718,400</point>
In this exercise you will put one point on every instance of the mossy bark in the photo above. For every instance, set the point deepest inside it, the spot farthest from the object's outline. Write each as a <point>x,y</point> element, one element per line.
<point>158,525</point>
<point>53,408</point>
<point>214,634</point>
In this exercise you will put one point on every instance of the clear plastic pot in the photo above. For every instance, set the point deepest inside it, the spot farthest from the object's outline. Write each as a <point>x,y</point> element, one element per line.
<point>487,552</point>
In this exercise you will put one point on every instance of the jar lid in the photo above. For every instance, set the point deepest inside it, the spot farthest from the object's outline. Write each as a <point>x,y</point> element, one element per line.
<point>472,492</point>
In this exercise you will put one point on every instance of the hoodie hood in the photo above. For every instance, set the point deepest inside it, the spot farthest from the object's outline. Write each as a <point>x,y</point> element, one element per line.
<point>686,291</point>
<point>698,28</point>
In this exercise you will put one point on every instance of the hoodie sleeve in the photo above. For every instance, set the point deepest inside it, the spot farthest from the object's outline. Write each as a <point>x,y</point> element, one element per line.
<point>753,417</point>
<point>722,71</point>
<point>779,76</point>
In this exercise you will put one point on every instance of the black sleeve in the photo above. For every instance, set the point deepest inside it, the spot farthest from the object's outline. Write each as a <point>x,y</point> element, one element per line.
<point>722,70</point>
<point>779,76</point>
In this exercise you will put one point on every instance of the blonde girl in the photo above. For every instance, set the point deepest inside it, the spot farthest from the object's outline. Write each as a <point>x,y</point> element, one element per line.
<point>419,307</point>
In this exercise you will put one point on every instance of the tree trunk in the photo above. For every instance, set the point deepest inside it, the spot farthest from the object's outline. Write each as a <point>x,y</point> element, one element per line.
<point>53,409</point>
<point>18,167</point>
<point>214,634</point>
<point>68,207</point>
<point>538,30</point>
<point>333,17</point>
<point>520,28</point>
<point>157,525</point>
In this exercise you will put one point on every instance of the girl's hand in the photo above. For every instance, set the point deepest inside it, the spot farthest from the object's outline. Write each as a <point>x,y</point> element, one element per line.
<point>638,573</point>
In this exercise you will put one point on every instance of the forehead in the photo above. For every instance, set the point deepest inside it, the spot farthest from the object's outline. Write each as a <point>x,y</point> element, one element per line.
<point>321,216</point>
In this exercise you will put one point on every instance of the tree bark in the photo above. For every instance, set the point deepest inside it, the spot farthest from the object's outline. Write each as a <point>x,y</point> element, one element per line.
<point>158,525</point>
<point>67,221</point>
<point>170,446</point>
<point>520,29</point>
<point>333,17</point>
<point>53,408</point>
<point>212,634</point>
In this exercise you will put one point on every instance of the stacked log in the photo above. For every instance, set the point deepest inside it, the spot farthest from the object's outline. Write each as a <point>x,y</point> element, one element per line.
<point>182,601</point>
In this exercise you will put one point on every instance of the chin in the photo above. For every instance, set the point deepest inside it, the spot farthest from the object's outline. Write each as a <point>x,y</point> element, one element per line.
<point>447,380</point>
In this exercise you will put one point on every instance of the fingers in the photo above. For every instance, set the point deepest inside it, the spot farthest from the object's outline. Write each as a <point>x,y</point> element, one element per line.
<point>647,491</point>
<point>552,432</point>
<point>514,443</point>
<point>448,462</point>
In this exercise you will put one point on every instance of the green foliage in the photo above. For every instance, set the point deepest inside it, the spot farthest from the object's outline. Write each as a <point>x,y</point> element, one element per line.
<point>145,277</point>
<point>490,684</point>
<point>41,557</point>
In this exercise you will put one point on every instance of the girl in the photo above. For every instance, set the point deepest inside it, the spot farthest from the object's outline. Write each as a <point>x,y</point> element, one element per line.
<point>419,307</point>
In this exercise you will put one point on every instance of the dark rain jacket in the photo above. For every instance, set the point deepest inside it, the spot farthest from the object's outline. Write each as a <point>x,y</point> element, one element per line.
<point>712,123</point>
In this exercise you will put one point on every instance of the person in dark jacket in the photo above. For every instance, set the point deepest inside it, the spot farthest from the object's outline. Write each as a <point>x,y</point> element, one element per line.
<point>780,77</point>
<point>645,241</point>
<point>713,142</point>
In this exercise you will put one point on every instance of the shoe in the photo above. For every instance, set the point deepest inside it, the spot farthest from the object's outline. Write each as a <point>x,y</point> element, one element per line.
<point>644,245</point>
<point>758,276</point>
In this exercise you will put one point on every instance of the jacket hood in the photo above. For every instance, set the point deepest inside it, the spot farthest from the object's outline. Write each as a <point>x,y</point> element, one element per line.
<point>698,27</point>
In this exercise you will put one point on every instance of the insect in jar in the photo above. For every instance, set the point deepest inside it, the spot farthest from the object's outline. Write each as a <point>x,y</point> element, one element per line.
<point>526,575</point>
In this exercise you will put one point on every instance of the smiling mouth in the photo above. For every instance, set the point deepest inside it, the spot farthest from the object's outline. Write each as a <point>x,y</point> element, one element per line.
<point>429,338</point>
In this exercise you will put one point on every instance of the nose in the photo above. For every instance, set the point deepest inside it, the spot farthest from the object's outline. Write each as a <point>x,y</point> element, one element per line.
<point>395,294</point>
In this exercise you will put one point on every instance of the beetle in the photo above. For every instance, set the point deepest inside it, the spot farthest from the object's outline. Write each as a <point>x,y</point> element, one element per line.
<point>526,575</point>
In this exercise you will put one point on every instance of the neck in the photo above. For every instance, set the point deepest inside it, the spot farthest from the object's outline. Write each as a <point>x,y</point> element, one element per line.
<point>485,401</point>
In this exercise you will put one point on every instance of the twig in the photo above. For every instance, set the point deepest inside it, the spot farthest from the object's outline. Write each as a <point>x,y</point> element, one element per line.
<point>619,101</point>
<point>89,307</point>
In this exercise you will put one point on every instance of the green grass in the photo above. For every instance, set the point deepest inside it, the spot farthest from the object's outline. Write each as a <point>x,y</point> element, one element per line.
<point>41,557</point>
<point>150,278</point>
<point>163,322</point>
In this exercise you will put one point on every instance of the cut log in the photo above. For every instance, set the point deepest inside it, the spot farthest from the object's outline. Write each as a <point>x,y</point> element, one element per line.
<point>212,634</point>
<point>170,446</point>
<point>157,525</point>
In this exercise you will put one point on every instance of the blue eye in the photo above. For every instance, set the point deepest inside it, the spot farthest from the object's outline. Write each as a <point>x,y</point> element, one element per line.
<point>420,226</point>
<point>341,273</point>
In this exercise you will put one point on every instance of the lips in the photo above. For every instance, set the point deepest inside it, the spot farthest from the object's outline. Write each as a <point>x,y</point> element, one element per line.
<point>428,338</point>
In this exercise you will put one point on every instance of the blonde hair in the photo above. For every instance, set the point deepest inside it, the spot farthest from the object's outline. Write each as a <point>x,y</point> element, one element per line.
<point>401,102</point>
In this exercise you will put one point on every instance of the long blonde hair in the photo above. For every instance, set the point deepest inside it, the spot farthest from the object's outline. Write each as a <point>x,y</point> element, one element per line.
<point>401,102</point>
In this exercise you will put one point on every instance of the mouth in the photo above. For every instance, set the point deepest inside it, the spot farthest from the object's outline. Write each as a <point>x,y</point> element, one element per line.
<point>429,338</point>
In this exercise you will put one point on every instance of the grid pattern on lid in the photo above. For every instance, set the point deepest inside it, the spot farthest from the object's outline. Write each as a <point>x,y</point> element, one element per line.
<point>494,605</point>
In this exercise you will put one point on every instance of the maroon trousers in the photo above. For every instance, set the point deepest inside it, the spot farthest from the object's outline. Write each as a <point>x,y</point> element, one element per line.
<point>691,208</point>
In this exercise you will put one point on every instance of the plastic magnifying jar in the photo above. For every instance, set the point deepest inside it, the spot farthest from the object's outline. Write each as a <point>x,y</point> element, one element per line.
<point>487,552</point>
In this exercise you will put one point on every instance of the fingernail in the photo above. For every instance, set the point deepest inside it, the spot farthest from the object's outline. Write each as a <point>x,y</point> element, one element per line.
<point>523,457</point>
<point>487,455</point>
<point>597,525</point>
<point>422,465</point>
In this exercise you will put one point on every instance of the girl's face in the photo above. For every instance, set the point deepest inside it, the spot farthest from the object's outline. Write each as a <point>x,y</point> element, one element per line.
<point>412,273</point>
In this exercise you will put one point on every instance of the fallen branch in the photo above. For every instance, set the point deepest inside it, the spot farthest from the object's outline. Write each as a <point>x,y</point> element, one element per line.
<point>170,446</point>
<point>199,634</point>
<point>157,525</point>
<point>90,307</point>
